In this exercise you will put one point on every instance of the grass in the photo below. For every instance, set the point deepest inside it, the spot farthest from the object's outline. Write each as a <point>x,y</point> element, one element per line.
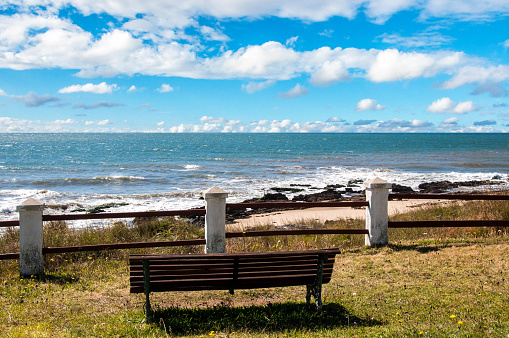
<point>450,282</point>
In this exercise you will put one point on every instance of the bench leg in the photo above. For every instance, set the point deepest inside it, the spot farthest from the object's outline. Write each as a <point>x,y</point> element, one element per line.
<point>315,289</point>
<point>146,287</point>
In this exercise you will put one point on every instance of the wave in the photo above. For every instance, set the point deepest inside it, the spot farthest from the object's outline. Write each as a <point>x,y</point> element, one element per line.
<point>190,167</point>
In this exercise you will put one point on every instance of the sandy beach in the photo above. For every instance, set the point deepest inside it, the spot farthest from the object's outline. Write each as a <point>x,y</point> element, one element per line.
<point>286,217</point>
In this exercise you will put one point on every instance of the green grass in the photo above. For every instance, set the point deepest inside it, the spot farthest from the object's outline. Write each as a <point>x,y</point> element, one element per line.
<point>447,282</point>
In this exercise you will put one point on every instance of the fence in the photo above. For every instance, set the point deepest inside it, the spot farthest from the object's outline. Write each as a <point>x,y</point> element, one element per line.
<point>31,219</point>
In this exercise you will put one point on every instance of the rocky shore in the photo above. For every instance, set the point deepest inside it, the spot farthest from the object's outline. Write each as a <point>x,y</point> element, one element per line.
<point>353,192</point>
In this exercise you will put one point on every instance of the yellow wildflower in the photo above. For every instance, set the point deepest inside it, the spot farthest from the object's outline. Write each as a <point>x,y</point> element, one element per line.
<point>452,316</point>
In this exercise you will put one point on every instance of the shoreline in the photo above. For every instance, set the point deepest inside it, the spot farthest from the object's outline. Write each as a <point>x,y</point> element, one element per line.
<point>288,192</point>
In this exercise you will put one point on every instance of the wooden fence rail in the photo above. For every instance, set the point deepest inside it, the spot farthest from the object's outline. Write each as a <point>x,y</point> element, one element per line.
<point>199,241</point>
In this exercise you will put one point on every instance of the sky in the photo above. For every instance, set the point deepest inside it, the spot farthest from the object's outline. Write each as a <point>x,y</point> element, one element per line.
<point>318,66</point>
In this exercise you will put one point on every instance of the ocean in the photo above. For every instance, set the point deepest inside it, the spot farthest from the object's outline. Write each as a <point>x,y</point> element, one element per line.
<point>140,172</point>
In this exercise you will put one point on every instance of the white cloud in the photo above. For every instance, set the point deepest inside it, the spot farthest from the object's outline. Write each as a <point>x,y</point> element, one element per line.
<point>441,105</point>
<point>219,124</point>
<point>2,93</point>
<point>381,10</point>
<point>296,91</point>
<point>393,65</point>
<point>211,34</point>
<point>270,60</point>
<point>449,123</point>
<point>132,89</point>
<point>112,47</point>
<point>477,74</point>
<point>327,33</point>
<point>12,125</point>
<point>101,88</point>
<point>464,107</point>
<point>423,39</point>
<point>368,104</point>
<point>68,121</point>
<point>184,13</point>
<point>506,43</point>
<point>329,72</point>
<point>252,87</point>
<point>209,124</point>
<point>212,120</point>
<point>165,88</point>
<point>153,41</point>
<point>98,123</point>
<point>446,105</point>
<point>291,41</point>
<point>465,10</point>
<point>483,129</point>
<point>56,43</point>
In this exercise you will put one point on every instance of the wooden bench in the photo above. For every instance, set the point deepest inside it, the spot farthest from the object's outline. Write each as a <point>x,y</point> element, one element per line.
<point>231,271</point>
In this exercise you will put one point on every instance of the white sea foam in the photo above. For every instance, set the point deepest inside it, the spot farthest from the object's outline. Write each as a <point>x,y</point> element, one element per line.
<point>190,167</point>
<point>180,197</point>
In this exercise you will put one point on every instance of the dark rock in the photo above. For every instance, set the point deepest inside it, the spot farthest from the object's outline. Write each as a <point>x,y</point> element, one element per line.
<point>327,195</point>
<point>274,197</point>
<point>445,186</point>
<point>100,208</point>
<point>290,190</point>
<point>334,186</point>
<point>268,198</point>
<point>396,188</point>
<point>437,187</point>
<point>476,183</point>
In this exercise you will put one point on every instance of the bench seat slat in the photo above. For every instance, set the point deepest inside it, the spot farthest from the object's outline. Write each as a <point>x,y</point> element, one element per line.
<point>175,275</point>
<point>242,260</point>
<point>241,267</point>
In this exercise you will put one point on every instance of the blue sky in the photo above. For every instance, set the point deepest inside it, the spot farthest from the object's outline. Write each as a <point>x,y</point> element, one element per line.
<point>254,66</point>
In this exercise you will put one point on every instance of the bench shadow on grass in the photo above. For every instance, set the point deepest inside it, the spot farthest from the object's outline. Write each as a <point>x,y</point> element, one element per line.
<point>256,319</point>
<point>415,247</point>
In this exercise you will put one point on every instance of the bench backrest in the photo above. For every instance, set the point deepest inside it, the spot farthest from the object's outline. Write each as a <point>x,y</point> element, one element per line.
<point>231,271</point>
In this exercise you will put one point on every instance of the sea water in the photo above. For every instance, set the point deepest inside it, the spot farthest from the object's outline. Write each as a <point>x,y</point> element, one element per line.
<point>142,172</point>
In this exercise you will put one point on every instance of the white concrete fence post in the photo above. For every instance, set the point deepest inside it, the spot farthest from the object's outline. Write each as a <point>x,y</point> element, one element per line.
<point>377,216</point>
<point>215,220</point>
<point>30,237</point>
